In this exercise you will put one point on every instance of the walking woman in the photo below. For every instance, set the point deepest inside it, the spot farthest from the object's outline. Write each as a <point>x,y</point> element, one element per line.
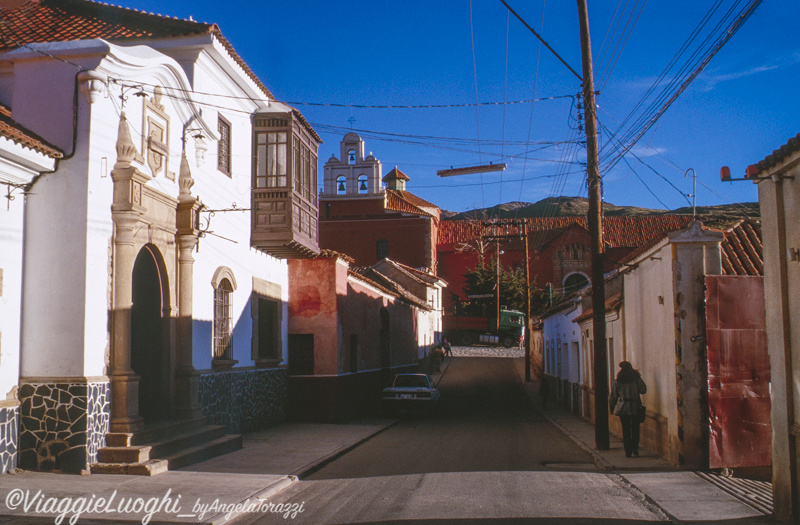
<point>625,402</point>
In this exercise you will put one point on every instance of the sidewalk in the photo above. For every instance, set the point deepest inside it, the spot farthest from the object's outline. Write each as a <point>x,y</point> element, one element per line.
<point>269,461</point>
<point>682,496</point>
<point>273,459</point>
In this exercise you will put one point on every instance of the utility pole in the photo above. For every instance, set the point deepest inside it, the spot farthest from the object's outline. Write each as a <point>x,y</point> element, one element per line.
<point>497,230</point>
<point>527,330</point>
<point>595,223</point>
<point>497,313</point>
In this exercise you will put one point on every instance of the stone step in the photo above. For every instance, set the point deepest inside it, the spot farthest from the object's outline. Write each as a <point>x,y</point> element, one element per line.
<point>134,454</point>
<point>222,445</point>
<point>164,429</point>
<point>163,445</point>
<point>150,467</point>
<point>171,444</point>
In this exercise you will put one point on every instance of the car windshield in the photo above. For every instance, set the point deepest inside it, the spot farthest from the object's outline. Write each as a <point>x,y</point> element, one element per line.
<point>411,381</point>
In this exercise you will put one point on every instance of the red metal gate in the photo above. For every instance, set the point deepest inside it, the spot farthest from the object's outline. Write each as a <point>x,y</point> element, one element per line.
<point>738,372</point>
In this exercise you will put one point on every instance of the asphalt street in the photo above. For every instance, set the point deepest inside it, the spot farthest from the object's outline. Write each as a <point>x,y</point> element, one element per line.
<point>488,455</point>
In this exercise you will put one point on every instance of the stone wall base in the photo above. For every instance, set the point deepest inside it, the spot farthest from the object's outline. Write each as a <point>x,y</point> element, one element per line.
<point>9,438</point>
<point>245,400</point>
<point>62,425</point>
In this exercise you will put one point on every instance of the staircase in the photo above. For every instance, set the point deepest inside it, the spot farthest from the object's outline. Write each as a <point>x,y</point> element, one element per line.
<point>162,446</point>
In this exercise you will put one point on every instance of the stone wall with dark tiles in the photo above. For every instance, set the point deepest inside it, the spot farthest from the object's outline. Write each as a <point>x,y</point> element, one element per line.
<point>245,400</point>
<point>9,438</point>
<point>62,425</point>
<point>98,418</point>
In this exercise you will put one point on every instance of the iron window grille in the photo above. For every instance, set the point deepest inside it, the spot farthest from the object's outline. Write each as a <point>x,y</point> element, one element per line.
<point>223,321</point>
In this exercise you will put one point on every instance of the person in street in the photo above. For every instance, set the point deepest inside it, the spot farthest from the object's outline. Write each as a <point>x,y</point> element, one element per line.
<point>625,402</point>
<point>437,356</point>
<point>446,347</point>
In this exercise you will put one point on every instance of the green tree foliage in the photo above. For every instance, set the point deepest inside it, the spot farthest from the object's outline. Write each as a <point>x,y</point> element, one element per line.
<point>482,281</point>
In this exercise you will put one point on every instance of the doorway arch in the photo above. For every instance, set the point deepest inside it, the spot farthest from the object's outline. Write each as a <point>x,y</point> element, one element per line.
<point>149,334</point>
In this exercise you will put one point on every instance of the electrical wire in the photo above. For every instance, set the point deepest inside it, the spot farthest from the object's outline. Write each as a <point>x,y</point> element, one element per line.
<point>477,113</point>
<point>683,79</point>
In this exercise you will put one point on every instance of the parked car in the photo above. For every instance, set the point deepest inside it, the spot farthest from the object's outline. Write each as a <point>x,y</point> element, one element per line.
<point>412,392</point>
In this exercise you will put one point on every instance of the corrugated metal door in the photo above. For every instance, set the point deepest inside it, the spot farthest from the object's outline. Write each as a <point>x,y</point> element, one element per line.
<point>738,372</point>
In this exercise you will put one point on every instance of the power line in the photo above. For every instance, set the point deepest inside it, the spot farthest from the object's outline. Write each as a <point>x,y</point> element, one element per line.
<point>651,116</point>
<point>542,40</point>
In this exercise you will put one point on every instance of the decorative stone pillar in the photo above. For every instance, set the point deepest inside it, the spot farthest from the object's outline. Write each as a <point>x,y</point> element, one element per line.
<point>695,254</point>
<point>187,403</point>
<point>126,211</point>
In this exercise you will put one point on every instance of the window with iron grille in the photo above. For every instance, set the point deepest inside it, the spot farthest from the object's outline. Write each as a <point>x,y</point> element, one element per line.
<point>223,321</point>
<point>224,146</point>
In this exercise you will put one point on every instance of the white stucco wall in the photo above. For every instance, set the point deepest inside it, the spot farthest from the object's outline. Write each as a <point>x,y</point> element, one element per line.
<point>69,228</point>
<point>560,330</point>
<point>648,312</point>
<point>18,165</point>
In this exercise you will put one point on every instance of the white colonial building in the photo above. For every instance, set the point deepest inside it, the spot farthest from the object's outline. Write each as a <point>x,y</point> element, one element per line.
<point>146,284</point>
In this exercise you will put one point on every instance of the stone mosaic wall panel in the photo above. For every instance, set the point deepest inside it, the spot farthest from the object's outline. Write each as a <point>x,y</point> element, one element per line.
<point>62,425</point>
<point>245,400</point>
<point>98,420</point>
<point>9,438</point>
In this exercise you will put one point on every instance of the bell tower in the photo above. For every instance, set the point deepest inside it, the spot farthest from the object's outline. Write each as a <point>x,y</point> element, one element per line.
<point>352,175</point>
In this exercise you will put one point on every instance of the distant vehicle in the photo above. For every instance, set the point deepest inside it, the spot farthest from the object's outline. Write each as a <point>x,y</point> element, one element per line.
<point>468,330</point>
<point>411,391</point>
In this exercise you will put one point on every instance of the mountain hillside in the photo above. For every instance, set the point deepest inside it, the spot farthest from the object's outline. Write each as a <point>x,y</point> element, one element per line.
<point>721,216</point>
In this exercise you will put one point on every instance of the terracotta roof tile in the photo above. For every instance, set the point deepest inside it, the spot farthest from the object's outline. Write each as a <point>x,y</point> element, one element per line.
<point>14,132</point>
<point>618,232</point>
<point>742,250</point>
<point>791,146</point>
<point>406,202</point>
<point>396,174</point>
<point>66,20</point>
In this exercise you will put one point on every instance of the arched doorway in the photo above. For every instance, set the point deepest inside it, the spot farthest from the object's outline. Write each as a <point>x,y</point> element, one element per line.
<point>149,351</point>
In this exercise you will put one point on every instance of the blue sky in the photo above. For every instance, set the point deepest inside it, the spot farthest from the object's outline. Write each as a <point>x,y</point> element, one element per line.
<point>456,52</point>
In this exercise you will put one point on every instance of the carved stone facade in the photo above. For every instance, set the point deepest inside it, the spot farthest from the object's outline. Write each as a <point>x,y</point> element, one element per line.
<point>245,400</point>
<point>570,259</point>
<point>62,425</point>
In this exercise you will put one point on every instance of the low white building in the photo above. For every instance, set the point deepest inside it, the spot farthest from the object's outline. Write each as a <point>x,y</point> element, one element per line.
<point>564,369</point>
<point>154,285</point>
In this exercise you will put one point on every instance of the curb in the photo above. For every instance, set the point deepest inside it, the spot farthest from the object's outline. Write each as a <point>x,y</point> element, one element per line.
<point>307,470</point>
<point>278,486</point>
<point>297,475</point>
<point>599,461</point>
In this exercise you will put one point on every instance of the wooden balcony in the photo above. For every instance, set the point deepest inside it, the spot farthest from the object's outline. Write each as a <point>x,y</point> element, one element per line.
<point>284,199</point>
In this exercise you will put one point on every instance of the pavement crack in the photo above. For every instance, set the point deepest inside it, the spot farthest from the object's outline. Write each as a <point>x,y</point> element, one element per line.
<point>641,498</point>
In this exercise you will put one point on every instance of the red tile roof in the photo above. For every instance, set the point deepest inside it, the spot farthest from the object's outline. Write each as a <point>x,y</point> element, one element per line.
<point>791,146</point>
<point>396,174</point>
<point>742,250</point>
<point>406,202</point>
<point>387,285</point>
<point>19,135</point>
<point>67,20</point>
<point>618,232</point>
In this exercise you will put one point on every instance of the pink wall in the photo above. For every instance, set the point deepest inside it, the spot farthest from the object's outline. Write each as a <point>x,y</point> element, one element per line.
<point>327,302</point>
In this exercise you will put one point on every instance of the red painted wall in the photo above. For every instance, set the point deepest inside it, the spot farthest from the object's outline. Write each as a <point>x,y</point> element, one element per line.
<point>410,239</point>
